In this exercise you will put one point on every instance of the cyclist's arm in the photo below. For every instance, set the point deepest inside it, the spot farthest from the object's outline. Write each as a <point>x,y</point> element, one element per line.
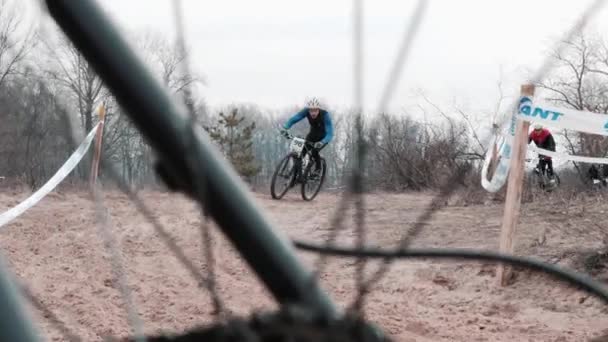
<point>296,118</point>
<point>329,129</point>
<point>550,143</point>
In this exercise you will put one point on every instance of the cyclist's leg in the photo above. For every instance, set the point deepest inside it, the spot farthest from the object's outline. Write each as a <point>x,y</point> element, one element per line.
<point>299,162</point>
<point>318,157</point>
<point>314,137</point>
<point>304,150</point>
<point>549,162</point>
<point>540,166</point>
<point>593,172</point>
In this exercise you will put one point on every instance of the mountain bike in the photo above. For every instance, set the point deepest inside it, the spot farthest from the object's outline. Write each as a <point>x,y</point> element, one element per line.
<point>542,180</point>
<point>597,176</point>
<point>298,167</point>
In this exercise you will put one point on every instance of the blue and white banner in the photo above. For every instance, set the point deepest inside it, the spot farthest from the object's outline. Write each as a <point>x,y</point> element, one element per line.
<point>552,116</point>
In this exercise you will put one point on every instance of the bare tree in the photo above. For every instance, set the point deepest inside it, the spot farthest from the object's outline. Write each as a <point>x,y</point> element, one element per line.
<point>14,46</point>
<point>166,59</point>
<point>34,135</point>
<point>409,154</point>
<point>123,143</point>
<point>71,70</point>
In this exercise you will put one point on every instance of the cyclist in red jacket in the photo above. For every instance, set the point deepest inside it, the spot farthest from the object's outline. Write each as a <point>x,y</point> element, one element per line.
<point>543,139</point>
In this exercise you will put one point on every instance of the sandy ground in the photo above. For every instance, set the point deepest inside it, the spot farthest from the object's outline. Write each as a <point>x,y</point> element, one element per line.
<point>57,250</point>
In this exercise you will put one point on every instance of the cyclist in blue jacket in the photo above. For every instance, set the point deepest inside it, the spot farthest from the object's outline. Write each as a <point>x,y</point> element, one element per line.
<point>321,129</point>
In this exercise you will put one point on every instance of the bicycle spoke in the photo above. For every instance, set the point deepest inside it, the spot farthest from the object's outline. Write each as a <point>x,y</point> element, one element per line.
<point>287,177</point>
<point>395,73</point>
<point>200,181</point>
<point>202,281</point>
<point>578,280</point>
<point>337,225</point>
<point>104,230</point>
<point>102,217</point>
<point>185,65</point>
<point>360,152</point>
<point>207,245</point>
<point>111,169</point>
<point>286,167</point>
<point>354,184</point>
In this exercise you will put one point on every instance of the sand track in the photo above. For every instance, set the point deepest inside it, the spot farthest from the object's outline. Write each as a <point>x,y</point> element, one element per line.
<point>56,249</point>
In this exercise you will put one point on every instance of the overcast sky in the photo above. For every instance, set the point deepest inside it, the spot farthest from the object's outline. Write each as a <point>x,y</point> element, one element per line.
<point>277,52</point>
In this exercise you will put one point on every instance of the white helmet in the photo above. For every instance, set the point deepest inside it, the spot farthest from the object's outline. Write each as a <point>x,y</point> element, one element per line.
<point>313,103</point>
<point>538,127</point>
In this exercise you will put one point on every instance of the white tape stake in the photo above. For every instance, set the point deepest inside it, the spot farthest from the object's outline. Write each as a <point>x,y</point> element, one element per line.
<point>59,176</point>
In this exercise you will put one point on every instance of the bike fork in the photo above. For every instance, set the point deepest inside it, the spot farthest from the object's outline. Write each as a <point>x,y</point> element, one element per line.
<point>294,179</point>
<point>299,172</point>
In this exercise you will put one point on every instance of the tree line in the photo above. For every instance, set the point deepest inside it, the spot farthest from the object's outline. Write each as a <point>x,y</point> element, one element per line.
<point>48,91</point>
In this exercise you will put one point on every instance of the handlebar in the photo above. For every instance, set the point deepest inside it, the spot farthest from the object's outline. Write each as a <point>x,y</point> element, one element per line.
<point>290,136</point>
<point>536,159</point>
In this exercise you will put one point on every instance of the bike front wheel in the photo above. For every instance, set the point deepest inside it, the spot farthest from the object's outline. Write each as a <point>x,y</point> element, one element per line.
<point>313,181</point>
<point>556,183</point>
<point>284,174</point>
<point>548,184</point>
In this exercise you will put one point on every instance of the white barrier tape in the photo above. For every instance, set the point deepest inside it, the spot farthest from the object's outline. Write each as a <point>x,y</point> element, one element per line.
<point>564,118</point>
<point>59,176</point>
<point>582,159</point>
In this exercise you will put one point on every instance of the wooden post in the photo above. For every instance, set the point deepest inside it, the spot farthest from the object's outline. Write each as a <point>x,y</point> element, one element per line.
<point>98,139</point>
<point>514,190</point>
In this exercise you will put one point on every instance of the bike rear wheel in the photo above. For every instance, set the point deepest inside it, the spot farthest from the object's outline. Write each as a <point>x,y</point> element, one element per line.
<point>287,174</point>
<point>544,182</point>
<point>558,181</point>
<point>307,181</point>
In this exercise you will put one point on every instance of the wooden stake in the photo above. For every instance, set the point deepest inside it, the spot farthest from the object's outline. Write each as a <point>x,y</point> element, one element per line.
<point>514,190</point>
<point>98,140</point>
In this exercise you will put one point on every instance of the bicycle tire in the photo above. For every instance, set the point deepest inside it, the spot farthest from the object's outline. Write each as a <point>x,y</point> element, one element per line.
<point>549,188</point>
<point>321,181</point>
<point>289,323</point>
<point>273,192</point>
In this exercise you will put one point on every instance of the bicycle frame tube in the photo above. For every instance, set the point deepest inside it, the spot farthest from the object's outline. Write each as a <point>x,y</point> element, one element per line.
<point>165,125</point>
<point>15,324</point>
